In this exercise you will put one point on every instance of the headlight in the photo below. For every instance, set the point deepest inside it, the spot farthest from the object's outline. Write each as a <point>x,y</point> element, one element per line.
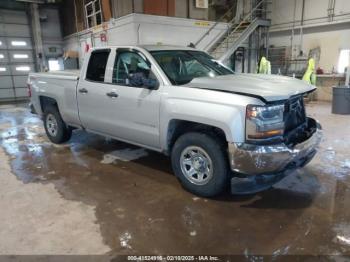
<point>264,122</point>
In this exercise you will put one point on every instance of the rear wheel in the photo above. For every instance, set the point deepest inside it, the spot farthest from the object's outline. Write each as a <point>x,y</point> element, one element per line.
<point>200,163</point>
<point>56,130</point>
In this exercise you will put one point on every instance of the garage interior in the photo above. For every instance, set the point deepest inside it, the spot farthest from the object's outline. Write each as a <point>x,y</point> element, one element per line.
<point>105,198</point>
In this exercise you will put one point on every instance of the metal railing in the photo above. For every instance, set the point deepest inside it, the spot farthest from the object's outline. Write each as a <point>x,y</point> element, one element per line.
<point>214,25</point>
<point>246,19</point>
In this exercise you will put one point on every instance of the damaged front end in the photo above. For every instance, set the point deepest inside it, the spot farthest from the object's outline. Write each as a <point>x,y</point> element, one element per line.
<point>261,163</point>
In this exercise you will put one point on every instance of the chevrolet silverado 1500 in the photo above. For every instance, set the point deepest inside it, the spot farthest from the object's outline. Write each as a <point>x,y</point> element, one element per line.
<point>220,128</point>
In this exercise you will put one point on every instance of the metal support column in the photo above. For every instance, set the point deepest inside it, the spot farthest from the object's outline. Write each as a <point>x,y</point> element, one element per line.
<point>37,38</point>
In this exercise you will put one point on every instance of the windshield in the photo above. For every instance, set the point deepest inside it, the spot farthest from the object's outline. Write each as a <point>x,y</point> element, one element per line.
<point>181,66</point>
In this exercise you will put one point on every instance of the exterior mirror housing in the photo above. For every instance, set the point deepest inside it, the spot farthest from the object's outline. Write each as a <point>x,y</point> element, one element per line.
<point>151,83</point>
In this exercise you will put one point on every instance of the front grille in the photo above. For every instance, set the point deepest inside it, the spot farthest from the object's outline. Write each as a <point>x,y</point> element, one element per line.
<point>294,113</point>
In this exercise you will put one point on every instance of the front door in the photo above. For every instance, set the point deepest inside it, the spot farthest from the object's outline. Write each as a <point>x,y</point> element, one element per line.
<point>137,102</point>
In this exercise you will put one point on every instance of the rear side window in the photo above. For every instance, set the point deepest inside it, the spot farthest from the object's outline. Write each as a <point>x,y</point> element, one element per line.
<point>97,65</point>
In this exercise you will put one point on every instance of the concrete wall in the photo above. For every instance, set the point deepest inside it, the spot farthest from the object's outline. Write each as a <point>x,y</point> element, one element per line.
<point>330,43</point>
<point>330,33</point>
<point>122,7</point>
<point>51,32</point>
<point>136,29</point>
<point>198,13</point>
<point>181,8</point>
<point>285,13</point>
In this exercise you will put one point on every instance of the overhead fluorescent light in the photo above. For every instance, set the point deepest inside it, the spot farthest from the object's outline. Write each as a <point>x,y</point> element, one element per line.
<point>2,69</point>
<point>20,56</point>
<point>22,68</point>
<point>18,43</point>
<point>0,43</point>
<point>1,56</point>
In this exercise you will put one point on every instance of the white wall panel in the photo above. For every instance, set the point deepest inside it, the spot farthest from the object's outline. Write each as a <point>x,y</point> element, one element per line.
<point>3,42</point>
<point>21,92</point>
<point>316,10</point>
<point>143,29</point>
<point>20,81</point>
<point>15,30</point>
<point>7,94</point>
<point>13,17</point>
<point>288,13</point>
<point>342,7</point>
<point>5,82</point>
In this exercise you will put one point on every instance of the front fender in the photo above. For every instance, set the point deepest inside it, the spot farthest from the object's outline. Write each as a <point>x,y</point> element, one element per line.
<point>230,119</point>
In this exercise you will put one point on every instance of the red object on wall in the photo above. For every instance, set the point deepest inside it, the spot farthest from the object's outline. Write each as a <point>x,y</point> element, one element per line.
<point>87,48</point>
<point>103,37</point>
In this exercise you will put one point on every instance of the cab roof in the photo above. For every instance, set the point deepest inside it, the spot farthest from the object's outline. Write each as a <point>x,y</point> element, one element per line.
<point>150,47</point>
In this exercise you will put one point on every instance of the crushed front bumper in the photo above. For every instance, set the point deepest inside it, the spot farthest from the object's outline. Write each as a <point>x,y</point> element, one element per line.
<point>267,164</point>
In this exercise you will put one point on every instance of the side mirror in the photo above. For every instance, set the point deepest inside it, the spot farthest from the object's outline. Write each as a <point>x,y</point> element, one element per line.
<point>151,83</point>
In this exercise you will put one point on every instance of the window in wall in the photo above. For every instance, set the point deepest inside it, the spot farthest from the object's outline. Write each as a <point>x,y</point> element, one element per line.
<point>22,68</point>
<point>343,60</point>
<point>20,56</point>
<point>97,65</point>
<point>18,43</point>
<point>93,13</point>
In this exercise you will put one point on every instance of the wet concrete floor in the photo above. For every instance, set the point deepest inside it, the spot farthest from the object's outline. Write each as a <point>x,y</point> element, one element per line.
<point>140,208</point>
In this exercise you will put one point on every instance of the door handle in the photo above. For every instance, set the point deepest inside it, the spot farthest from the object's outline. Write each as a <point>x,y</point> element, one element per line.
<point>83,90</point>
<point>112,94</point>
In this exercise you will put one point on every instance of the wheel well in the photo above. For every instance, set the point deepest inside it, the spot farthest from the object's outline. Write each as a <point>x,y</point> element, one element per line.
<point>177,128</point>
<point>47,101</point>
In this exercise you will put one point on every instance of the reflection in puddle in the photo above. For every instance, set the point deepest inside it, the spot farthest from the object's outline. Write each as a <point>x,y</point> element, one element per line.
<point>141,208</point>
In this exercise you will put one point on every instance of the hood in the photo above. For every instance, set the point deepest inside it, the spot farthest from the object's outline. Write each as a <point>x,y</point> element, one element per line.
<point>268,88</point>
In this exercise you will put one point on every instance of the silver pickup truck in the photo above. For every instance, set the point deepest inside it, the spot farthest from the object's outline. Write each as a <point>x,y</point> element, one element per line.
<point>220,128</point>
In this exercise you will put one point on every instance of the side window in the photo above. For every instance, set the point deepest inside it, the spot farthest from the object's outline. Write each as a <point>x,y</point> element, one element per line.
<point>97,65</point>
<point>131,69</point>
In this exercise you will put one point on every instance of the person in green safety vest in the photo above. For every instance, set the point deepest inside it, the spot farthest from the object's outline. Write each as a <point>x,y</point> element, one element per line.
<point>310,74</point>
<point>264,66</point>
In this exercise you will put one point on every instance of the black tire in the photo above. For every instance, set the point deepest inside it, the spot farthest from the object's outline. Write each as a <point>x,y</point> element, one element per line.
<point>217,183</point>
<point>63,132</point>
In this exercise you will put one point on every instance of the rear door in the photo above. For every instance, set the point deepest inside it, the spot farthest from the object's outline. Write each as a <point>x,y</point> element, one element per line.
<point>94,113</point>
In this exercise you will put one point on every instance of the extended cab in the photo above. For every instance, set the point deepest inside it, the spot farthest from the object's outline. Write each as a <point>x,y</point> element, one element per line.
<point>219,127</point>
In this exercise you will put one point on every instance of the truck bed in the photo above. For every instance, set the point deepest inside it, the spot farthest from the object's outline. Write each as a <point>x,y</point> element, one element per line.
<point>65,74</point>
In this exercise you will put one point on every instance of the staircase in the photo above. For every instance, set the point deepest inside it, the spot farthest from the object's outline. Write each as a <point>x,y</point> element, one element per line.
<point>225,47</point>
<point>236,34</point>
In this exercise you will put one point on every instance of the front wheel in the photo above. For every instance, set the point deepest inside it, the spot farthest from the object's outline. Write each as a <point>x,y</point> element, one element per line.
<point>56,130</point>
<point>199,161</point>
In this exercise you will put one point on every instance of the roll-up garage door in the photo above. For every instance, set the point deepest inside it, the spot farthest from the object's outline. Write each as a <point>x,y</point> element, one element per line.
<point>16,54</point>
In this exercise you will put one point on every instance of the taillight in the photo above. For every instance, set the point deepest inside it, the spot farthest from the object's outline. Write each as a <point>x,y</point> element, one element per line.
<point>29,90</point>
